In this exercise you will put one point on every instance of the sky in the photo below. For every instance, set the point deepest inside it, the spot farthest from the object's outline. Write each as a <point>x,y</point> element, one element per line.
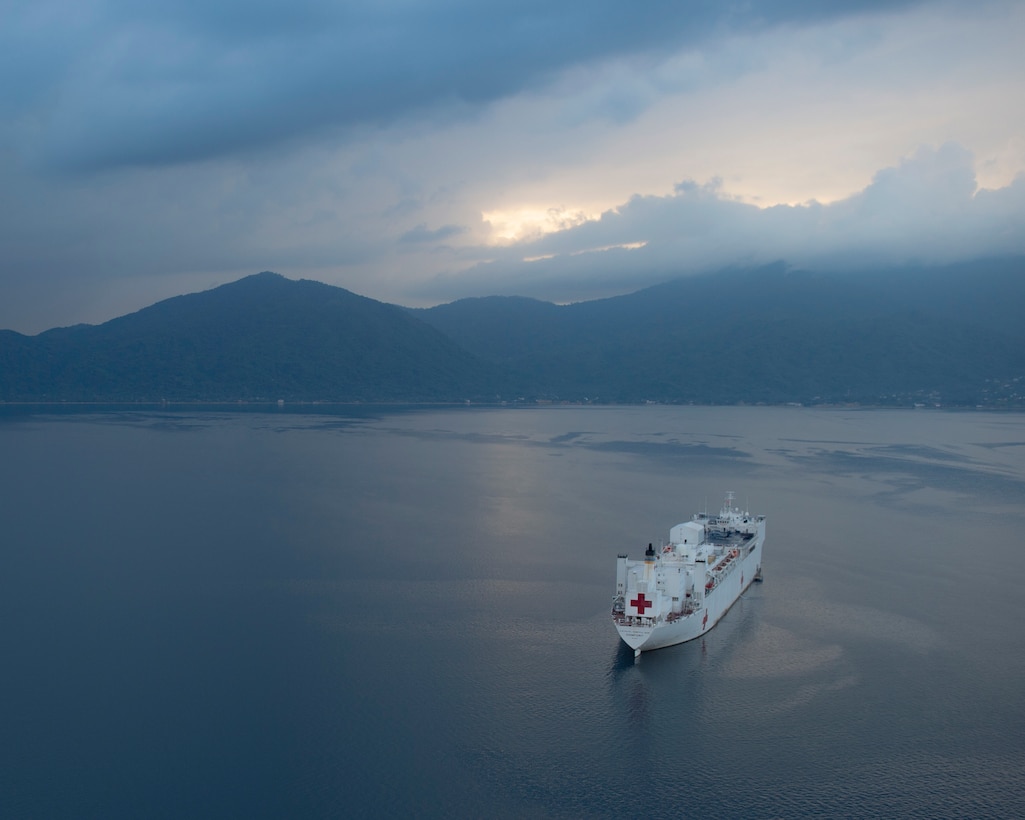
<point>422,151</point>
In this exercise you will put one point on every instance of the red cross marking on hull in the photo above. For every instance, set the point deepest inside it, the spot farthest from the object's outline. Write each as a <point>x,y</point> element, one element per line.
<point>640,603</point>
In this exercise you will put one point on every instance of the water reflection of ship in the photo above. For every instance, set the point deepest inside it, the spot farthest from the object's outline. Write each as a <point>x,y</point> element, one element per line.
<point>665,694</point>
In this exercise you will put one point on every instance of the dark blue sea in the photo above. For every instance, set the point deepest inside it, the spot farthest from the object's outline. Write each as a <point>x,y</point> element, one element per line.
<point>373,612</point>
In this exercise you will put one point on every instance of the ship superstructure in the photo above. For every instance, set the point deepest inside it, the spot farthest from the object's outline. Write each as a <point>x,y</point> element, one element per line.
<point>681,589</point>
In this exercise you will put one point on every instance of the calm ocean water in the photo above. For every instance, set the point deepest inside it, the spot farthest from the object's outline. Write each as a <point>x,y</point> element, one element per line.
<point>405,613</point>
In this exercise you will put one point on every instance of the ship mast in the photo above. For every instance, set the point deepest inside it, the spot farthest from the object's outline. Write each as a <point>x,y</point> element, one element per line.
<point>727,505</point>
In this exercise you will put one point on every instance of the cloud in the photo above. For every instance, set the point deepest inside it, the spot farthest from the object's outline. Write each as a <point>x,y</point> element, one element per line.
<point>421,233</point>
<point>99,85</point>
<point>417,152</point>
<point>925,209</point>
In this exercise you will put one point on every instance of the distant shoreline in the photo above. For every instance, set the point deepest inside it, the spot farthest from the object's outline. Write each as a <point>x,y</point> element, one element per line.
<point>535,404</point>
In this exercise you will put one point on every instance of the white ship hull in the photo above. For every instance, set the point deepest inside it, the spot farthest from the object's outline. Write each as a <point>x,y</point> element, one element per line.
<point>682,590</point>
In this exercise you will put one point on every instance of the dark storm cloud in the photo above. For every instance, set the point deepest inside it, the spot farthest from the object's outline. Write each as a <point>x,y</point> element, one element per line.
<point>94,85</point>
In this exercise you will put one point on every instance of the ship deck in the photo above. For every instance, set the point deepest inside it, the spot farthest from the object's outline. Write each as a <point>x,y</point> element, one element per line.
<point>731,538</point>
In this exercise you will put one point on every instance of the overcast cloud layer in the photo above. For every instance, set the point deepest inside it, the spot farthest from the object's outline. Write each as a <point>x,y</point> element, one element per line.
<point>421,152</point>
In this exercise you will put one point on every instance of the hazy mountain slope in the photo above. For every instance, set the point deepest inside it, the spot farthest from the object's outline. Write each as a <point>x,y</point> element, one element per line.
<point>263,337</point>
<point>500,327</point>
<point>766,334</point>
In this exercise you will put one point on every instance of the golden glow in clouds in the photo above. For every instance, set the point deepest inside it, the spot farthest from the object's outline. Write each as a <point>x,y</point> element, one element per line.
<point>510,225</point>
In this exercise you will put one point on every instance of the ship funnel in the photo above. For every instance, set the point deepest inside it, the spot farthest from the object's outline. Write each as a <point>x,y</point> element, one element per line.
<point>649,553</point>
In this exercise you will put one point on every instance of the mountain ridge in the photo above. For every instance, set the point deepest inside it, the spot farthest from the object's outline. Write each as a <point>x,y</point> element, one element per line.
<point>772,334</point>
<point>260,337</point>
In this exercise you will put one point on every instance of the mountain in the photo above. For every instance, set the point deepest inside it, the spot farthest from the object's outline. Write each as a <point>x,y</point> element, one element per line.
<point>769,334</point>
<point>948,335</point>
<point>263,337</point>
